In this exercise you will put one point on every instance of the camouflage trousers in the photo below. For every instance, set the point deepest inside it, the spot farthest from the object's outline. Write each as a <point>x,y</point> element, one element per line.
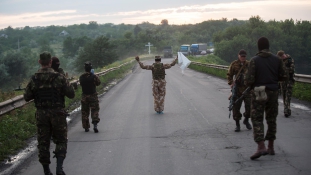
<point>89,103</point>
<point>287,91</point>
<point>51,123</point>
<point>237,107</point>
<point>159,91</point>
<point>270,108</point>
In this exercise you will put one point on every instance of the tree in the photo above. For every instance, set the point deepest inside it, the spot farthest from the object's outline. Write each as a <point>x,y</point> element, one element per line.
<point>137,29</point>
<point>93,25</point>
<point>100,52</point>
<point>164,22</point>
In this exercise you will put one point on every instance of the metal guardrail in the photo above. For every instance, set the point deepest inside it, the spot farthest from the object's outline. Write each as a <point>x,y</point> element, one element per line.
<point>298,77</point>
<point>19,101</point>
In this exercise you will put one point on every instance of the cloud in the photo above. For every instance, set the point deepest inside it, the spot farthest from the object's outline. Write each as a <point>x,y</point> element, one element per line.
<point>266,9</point>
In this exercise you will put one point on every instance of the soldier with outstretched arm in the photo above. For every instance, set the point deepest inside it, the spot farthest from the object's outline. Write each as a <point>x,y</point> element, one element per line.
<point>158,82</point>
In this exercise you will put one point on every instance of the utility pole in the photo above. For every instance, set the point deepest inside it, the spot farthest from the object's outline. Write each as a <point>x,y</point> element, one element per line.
<point>149,46</point>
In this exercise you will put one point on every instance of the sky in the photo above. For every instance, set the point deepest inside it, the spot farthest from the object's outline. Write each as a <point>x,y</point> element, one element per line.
<point>21,13</point>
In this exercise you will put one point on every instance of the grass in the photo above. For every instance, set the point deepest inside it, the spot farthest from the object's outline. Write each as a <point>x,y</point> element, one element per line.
<point>19,125</point>
<point>301,91</point>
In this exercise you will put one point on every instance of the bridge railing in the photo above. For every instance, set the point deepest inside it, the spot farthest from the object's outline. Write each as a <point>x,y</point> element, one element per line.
<point>298,77</point>
<point>18,101</point>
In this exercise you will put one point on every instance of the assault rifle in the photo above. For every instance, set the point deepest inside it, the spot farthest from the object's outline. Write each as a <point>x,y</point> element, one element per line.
<point>234,95</point>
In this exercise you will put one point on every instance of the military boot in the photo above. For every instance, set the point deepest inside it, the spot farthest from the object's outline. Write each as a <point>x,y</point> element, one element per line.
<point>46,169</point>
<point>270,149</point>
<point>247,124</point>
<point>59,165</point>
<point>95,128</point>
<point>261,150</point>
<point>238,128</point>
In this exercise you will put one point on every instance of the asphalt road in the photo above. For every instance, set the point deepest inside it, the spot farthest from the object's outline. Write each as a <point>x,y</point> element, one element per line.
<point>194,136</point>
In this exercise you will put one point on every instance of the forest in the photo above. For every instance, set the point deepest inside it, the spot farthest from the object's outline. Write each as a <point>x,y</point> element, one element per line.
<point>103,44</point>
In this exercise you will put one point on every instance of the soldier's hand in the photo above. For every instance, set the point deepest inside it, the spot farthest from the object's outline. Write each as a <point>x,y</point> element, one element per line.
<point>137,58</point>
<point>75,85</point>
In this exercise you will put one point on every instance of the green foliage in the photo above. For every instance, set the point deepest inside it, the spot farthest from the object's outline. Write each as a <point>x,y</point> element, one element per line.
<point>213,71</point>
<point>302,91</point>
<point>100,52</point>
<point>15,129</point>
<point>292,37</point>
<point>208,59</point>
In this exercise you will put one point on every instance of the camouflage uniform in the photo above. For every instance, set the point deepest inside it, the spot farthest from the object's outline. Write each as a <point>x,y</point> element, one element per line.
<point>287,86</point>
<point>256,76</point>
<point>61,71</point>
<point>89,99</point>
<point>158,82</point>
<point>233,70</point>
<point>50,114</point>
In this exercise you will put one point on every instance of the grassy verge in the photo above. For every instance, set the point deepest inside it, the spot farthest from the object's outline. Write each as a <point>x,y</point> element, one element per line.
<point>213,71</point>
<point>19,125</point>
<point>301,91</point>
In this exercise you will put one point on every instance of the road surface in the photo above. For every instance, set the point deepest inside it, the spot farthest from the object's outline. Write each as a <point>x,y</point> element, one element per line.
<point>194,136</point>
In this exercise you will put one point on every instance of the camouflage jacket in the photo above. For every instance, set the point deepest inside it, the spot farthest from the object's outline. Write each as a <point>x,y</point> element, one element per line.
<point>234,69</point>
<point>61,71</point>
<point>265,69</point>
<point>289,66</point>
<point>151,67</point>
<point>44,76</point>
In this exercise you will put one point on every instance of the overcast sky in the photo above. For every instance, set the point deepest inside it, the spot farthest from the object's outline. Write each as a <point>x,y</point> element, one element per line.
<point>21,13</point>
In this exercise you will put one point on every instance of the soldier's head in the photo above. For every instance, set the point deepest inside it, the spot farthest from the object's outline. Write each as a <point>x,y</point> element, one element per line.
<point>263,43</point>
<point>157,58</point>
<point>281,54</point>
<point>242,55</point>
<point>55,63</point>
<point>45,59</point>
<point>87,66</point>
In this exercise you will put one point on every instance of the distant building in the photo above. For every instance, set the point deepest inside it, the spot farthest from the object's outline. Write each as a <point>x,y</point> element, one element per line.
<point>63,33</point>
<point>4,36</point>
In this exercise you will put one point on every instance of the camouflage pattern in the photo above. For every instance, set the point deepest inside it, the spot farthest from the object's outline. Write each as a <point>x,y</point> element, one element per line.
<point>158,85</point>
<point>287,86</point>
<point>270,107</point>
<point>233,70</point>
<point>89,103</point>
<point>51,121</point>
<point>61,71</point>
<point>159,91</point>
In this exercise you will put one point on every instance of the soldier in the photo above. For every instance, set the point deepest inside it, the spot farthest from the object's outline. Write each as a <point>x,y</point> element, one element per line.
<point>55,66</point>
<point>264,72</point>
<point>158,83</point>
<point>48,89</point>
<point>238,68</point>
<point>89,81</point>
<point>287,86</point>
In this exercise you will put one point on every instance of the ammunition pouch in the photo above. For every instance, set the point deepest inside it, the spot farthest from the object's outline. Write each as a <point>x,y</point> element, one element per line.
<point>158,71</point>
<point>260,93</point>
<point>48,98</point>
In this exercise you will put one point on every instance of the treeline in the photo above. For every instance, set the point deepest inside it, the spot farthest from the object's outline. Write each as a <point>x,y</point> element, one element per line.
<point>294,37</point>
<point>103,44</point>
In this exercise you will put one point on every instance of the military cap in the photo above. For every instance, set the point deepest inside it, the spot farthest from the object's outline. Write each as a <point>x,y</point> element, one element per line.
<point>242,52</point>
<point>87,63</point>
<point>280,53</point>
<point>157,58</point>
<point>45,56</point>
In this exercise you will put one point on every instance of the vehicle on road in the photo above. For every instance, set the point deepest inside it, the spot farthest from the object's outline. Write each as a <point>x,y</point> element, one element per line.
<point>185,49</point>
<point>167,52</point>
<point>196,49</point>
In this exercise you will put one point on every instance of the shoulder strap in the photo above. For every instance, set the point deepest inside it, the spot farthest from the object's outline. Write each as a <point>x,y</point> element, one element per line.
<point>240,71</point>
